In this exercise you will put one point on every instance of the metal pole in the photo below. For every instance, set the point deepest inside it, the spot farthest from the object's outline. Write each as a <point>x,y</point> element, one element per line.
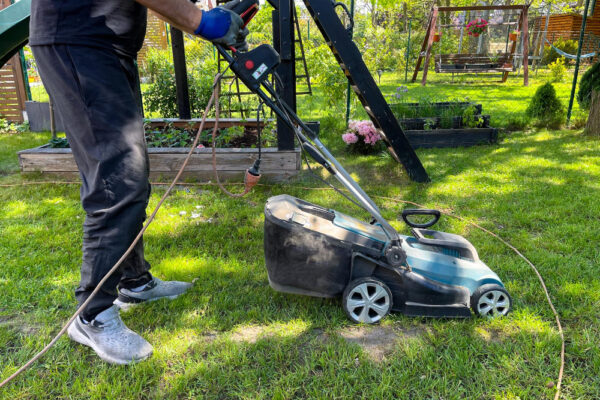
<point>25,75</point>
<point>579,46</point>
<point>508,28</point>
<point>348,87</point>
<point>407,50</point>
<point>541,54</point>
<point>52,120</point>
<point>462,33</point>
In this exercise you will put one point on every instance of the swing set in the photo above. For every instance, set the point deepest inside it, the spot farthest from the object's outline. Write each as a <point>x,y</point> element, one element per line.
<point>502,23</point>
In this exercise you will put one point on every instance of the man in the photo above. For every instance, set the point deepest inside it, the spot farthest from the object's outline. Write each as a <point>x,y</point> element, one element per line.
<point>85,51</point>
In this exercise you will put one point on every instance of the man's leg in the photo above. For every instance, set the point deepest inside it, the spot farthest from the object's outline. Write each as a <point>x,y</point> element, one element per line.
<point>91,92</point>
<point>137,285</point>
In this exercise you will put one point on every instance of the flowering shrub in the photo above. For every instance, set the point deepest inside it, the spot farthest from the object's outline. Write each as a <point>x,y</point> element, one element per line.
<point>350,137</point>
<point>476,27</point>
<point>362,137</point>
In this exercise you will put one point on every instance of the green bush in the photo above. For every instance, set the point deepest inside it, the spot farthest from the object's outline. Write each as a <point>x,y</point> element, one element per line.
<point>470,117</point>
<point>161,95</point>
<point>326,72</point>
<point>546,108</point>
<point>550,55</point>
<point>589,81</point>
<point>155,61</point>
<point>558,70</point>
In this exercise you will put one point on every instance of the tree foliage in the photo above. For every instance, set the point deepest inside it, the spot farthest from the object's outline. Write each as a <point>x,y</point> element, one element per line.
<point>590,81</point>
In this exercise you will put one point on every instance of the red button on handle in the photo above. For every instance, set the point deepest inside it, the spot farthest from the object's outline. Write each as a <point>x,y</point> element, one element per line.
<point>249,64</point>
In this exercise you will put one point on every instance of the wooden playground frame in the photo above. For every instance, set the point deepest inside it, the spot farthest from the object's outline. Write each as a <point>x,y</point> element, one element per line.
<point>522,26</point>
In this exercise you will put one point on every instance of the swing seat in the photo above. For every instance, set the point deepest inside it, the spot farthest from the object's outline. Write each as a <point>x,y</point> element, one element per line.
<point>471,63</point>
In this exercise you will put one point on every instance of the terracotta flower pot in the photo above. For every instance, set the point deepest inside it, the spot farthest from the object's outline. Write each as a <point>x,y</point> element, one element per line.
<point>436,37</point>
<point>513,37</point>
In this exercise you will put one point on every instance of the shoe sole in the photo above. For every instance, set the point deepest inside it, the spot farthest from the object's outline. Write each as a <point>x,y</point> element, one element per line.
<point>126,306</point>
<point>77,336</point>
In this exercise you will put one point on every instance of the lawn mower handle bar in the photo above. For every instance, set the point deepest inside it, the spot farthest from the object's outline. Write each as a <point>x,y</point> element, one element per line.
<point>317,149</point>
<point>408,212</point>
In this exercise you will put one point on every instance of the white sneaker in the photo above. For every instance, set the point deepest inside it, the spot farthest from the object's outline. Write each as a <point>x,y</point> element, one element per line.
<point>108,336</point>
<point>154,290</point>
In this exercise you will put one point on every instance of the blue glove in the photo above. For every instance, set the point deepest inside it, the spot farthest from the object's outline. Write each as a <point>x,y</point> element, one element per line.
<point>222,26</point>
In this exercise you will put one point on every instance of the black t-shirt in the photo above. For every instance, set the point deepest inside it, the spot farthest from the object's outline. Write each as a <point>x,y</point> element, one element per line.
<point>115,24</point>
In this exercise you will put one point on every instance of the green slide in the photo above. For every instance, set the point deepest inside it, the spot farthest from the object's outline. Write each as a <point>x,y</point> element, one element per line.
<point>14,29</point>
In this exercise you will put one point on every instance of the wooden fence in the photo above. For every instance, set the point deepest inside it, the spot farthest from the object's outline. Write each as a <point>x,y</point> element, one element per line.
<point>12,86</point>
<point>12,91</point>
<point>156,37</point>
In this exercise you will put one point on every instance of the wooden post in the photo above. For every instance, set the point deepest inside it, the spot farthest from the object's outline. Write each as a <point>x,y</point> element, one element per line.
<point>513,47</point>
<point>525,46</point>
<point>429,45</point>
<point>423,47</point>
<point>283,41</point>
<point>181,81</point>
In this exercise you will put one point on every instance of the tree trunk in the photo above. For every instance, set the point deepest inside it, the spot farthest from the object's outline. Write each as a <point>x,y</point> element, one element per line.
<point>593,123</point>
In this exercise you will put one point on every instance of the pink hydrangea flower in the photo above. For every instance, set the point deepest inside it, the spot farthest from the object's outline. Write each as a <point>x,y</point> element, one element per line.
<point>361,129</point>
<point>349,138</point>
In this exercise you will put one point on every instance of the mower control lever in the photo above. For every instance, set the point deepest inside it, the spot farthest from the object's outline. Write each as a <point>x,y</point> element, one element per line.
<point>406,213</point>
<point>246,9</point>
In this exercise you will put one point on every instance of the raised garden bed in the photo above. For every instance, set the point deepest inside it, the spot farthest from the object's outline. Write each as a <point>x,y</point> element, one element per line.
<point>276,165</point>
<point>445,124</point>
<point>452,137</point>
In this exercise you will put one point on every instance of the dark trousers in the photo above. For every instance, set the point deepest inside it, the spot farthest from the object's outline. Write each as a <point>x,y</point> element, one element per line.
<point>94,90</point>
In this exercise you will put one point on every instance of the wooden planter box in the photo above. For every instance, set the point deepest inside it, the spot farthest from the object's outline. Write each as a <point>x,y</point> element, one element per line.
<point>409,124</point>
<point>452,137</point>
<point>165,162</point>
<point>232,163</point>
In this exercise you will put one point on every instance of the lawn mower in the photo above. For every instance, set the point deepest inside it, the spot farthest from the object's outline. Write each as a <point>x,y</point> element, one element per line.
<point>315,251</point>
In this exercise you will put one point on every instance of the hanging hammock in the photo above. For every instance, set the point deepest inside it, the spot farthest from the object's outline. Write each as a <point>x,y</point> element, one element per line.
<point>570,56</point>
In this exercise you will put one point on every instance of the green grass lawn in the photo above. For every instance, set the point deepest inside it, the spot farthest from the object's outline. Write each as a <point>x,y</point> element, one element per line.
<point>232,336</point>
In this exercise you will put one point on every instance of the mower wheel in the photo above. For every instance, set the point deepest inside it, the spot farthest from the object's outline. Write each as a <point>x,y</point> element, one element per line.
<point>367,300</point>
<point>491,301</point>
